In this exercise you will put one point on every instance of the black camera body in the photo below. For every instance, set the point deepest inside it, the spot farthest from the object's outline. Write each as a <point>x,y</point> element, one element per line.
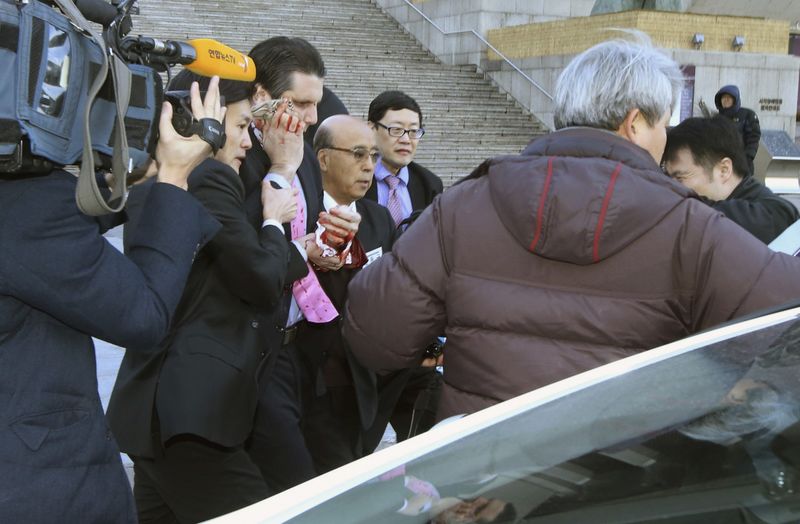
<point>182,118</point>
<point>45,98</point>
<point>43,102</point>
<point>186,125</point>
<point>78,96</point>
<point>434,350</point>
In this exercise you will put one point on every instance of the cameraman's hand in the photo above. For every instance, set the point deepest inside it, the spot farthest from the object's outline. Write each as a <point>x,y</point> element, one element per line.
<point>283,142</point>
<point>432,362</point>
<point>278,204</point>
<point>176,155</point>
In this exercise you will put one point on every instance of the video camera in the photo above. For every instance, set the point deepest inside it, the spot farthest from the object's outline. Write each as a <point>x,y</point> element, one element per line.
<point>77,95</point>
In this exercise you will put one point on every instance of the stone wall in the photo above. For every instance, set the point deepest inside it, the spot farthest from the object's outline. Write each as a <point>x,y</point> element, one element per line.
<point>482,15</point>
<point>766,75</point>
<point>768,83</point>
<point>782,9</point>
<point>668,30</point>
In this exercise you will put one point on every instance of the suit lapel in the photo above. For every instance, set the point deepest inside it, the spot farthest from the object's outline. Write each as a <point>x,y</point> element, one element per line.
<point>311,180</point>
<point>366,231</point>
<point>255,166</point>
<point>372,192</point>
<point>416,189</point>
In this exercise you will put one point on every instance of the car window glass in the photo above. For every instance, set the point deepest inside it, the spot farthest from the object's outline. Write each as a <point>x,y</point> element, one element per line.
<point>708,436</point>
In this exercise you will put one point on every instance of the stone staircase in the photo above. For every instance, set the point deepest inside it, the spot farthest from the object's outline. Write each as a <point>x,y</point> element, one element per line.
<point>365,51</point>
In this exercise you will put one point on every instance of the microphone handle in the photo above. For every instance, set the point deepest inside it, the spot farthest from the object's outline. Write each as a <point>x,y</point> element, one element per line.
<point>180,52</point>
<point>174,51</point>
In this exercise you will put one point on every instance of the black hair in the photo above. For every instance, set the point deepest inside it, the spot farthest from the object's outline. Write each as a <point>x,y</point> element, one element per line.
<point>709,140</point>
<point>392,101</point>
<point>233,90</point>
<point>278,57</point>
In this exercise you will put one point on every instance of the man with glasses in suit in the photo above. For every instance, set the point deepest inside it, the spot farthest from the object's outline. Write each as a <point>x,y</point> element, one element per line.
<point>406,188</point>
<point>402,185</point>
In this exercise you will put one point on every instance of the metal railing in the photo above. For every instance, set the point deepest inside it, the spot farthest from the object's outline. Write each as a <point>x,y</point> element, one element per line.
<point>485,42</point>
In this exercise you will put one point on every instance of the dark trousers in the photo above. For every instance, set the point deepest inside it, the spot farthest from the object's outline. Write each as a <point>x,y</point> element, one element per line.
<point>299,432</point>
<point>194,481</point>
<point>417,403</point>
<point>332,428</point>
<point>277,444</point>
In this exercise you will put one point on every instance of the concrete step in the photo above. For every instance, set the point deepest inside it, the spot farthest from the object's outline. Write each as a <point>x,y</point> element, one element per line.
<point>366,52</point>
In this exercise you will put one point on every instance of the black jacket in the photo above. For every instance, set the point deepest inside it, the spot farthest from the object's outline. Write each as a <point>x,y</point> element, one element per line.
<point>423,186</point>
<point>255,166</point>
<point>745,119</point>
<point>758,210</point>
<point>322,344</point>
<point>60,284</point>
<point>201,379</point>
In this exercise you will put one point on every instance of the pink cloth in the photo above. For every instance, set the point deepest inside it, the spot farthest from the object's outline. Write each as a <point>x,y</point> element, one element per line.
<point>313,302</point>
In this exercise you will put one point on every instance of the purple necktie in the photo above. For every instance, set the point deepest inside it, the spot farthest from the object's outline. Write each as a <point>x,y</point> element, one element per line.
<point>313,302</point>
<point>393,203</point>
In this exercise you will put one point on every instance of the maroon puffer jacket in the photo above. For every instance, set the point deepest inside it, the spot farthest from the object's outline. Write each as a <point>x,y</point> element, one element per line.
<point>574,254</point>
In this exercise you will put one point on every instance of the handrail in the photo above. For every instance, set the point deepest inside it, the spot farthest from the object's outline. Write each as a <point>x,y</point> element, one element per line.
<point>482,39</point>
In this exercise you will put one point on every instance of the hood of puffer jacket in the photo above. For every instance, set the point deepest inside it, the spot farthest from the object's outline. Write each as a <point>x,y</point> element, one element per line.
<point>728,90</point>
<point>580,195</point>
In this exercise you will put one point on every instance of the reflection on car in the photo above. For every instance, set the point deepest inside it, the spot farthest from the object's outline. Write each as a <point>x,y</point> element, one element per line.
<point>706,429</point>
<point>789,241</point>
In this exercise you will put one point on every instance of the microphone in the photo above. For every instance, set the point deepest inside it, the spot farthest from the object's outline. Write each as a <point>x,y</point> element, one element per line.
<point>203,56</point>
<point>214,58</point>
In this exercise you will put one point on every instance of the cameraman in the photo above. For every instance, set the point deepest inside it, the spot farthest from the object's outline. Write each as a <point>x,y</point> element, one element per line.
<point>61,283</point>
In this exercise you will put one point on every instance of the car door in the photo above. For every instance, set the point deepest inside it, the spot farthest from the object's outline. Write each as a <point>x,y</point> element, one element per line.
<point>705,429</point>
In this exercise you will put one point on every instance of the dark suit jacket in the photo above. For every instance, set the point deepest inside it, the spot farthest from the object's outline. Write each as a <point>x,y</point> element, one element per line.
<point>255,166</point>
<point>322,344</point>
<point>423,186</point>
<point>201,379</point>
<point>60,284</point>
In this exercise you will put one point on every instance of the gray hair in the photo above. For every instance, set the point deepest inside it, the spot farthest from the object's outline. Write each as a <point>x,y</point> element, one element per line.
<point>604,83</point>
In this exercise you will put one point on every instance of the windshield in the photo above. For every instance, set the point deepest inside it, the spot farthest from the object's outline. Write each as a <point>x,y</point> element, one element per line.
<point>708,436</point>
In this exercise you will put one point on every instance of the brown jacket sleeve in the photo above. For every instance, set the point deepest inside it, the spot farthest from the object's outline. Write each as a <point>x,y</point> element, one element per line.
<point>395,305</point>
<point>737,274</point>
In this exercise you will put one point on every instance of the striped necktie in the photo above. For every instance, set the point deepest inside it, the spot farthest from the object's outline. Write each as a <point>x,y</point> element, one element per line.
<point>394,204</point>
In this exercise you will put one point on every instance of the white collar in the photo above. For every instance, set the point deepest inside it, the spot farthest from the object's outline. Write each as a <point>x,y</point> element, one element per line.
<point>328,202</point>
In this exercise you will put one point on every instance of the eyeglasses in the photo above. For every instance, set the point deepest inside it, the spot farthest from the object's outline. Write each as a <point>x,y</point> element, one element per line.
<point>397,132</point>
<point>359,153</point>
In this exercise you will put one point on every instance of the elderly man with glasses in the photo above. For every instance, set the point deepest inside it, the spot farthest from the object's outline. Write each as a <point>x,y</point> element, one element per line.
<point>337,399</point>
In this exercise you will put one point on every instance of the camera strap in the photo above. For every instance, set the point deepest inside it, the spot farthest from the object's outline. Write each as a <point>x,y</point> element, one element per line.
<point>90,199</point>
<point>211,131</point>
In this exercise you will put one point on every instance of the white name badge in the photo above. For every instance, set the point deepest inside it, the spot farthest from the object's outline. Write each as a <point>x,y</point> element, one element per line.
<point>373,255</point>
